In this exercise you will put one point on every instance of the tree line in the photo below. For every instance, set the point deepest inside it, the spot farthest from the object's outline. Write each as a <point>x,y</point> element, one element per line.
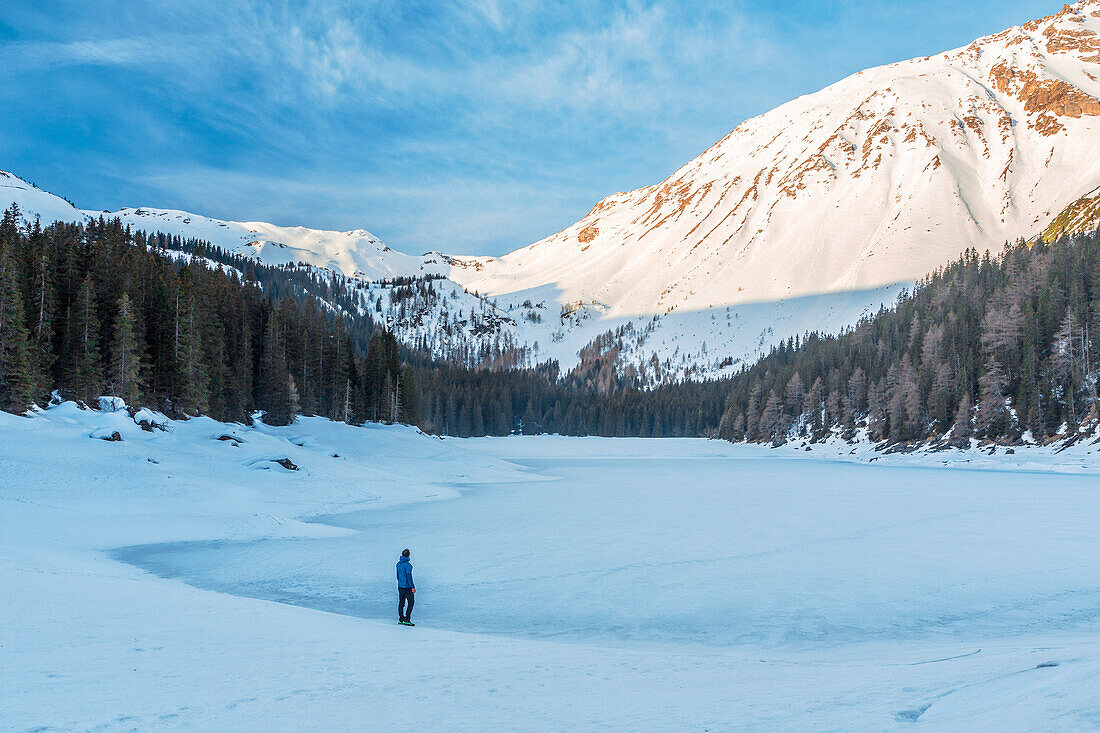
<point>990,347</point>
<point>94,309</point>
<point>996,348</point>
<point>465,402</point>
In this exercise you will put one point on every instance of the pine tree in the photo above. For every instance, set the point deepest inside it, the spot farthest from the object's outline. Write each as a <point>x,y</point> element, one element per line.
<point>385,406</point>
<point>126,354</point>
<point>346,412</point>
<point>963,427</point>
<point>395,401</point>
<point>276,398</point>
<point>752,413</point>
<point>11,223</point>
<point>477,429</point>
<point>530,420</point>
<point>41,322</point>
<point>239,388</point>
<point>993,417</point>
<point>16,371</point>
<point>814,407</point>
<point>770,420</point>
<point>192,386</point>
<point>1068,355</point>
<point>795,395</point>
<point>340,370</point>
<point>84,375</point>
<point>410,401</point>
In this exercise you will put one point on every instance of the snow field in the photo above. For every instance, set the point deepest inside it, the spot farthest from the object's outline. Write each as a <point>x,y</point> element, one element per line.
<point>593,584</point>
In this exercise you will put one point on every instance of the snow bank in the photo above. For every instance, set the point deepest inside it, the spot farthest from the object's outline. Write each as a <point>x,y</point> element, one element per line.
<point>201,479</point>
<point>1080,457</point>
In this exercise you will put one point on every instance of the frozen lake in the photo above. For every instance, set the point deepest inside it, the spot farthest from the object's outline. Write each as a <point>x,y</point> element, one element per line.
<point>565,584</point>
<point>696,544</point>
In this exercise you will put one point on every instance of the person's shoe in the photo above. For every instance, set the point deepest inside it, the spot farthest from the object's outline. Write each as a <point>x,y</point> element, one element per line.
<point>407,623</point>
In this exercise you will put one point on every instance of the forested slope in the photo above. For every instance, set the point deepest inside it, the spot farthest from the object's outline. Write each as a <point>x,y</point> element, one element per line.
<point>998,348</point>
<point>93,309</point>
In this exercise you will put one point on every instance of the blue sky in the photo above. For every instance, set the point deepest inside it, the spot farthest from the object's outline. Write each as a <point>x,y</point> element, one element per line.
<point>470,127</point>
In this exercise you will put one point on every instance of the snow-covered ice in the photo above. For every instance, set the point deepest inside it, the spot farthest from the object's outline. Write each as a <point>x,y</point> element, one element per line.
<point>175,580</point>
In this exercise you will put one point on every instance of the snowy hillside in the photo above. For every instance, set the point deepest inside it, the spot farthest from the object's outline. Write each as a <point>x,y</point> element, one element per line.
<point>34,202</point>
<point>356,253</point>
<point>875,180</point>
<point>185,579</point>
<point>804,218</point>
<point>436,314</point>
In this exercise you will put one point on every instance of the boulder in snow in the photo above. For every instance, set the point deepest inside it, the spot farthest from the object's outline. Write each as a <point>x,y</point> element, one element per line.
<point>111,404</point>
<point>150,420</point>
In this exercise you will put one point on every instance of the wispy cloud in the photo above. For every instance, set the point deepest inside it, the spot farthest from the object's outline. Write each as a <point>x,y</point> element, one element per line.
<point>29,56</point>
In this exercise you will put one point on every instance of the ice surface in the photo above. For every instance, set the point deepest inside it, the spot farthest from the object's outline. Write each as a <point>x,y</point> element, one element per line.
<point>720,550</point>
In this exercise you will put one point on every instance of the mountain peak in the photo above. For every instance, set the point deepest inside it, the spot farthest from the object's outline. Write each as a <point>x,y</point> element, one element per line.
<point>361,234</point>
<point>876,179</point>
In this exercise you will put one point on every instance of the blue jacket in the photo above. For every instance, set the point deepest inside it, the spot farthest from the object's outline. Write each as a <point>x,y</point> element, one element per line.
<point>404,573</point>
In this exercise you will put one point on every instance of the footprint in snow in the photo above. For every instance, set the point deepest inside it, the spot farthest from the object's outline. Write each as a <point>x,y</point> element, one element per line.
<point>912,715</point>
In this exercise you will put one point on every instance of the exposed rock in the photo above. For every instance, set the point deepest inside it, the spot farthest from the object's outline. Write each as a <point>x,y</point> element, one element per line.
<point>1044,96</point>
<point>287,464</point>
<point>1081,41</point>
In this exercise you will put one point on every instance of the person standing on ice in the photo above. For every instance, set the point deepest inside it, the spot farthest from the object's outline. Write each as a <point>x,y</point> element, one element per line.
<point>405,589</point>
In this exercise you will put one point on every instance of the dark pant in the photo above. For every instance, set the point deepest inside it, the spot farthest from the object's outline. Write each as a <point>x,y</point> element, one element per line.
<point>405,595</point>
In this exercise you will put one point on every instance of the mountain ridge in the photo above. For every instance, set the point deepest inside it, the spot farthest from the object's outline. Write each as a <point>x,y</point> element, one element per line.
<point>982,143</point>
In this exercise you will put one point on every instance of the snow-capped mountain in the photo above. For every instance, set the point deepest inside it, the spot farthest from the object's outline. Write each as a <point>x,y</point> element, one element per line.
<point>804,218</point>
<point>877,179</point>
<point>357,253</point>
